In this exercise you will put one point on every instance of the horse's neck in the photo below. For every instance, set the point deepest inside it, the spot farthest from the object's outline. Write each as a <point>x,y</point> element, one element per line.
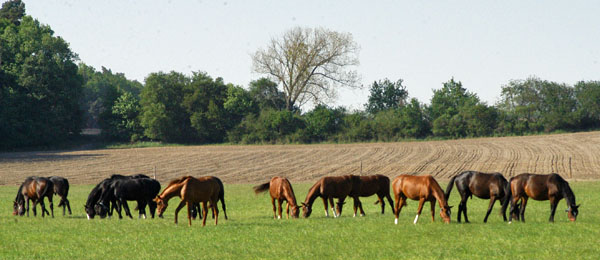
<point>313,193</point>
<point>20,197</point>
<point>171,191</point>
<point>290,197</point>
<point>568,194</point>
<point>438,193</point>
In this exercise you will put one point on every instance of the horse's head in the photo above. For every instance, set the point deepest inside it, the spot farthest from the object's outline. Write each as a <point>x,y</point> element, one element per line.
<point>445,213</point>
<point>296,211</point>
<point>161,205</point>
<point>18,208</point>
<point>572,212</point>
<point>89,210</point>
<point>306,210</point>
<point>101,209</point>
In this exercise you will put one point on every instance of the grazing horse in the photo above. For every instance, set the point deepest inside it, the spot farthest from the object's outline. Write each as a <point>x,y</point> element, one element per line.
<point>197,211</point>
<point>191,190</point>
<point>61,188</point>
<point>490,186</point>
<point>329,188</point>
<point>421,188</point>
<point>34,189</point>
<point>369,185</point>
<point>91,207</point>
<point>142,190</point>
<point>540,187</point>
<point>281,190</point>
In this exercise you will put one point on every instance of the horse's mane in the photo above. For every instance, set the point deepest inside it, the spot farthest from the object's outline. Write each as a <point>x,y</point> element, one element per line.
<point>179,180</point>
<point>566,189</point>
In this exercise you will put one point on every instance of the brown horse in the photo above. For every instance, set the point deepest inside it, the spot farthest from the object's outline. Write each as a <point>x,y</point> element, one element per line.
<point>492,186</point>
<point>191,190</point>
<point>281,190</point>
<point>541,187</point>
<point>369,185</point>
<point>329,188</point>
<point>34,189</point>
<point>421,188</point>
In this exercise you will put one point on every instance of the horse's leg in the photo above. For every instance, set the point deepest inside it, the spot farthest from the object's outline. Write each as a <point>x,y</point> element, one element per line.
<point>333,207</point>
<point>432,204</point>
<point>287,209</point>
<point>490,207</point>
<point>141,208</point>
<point>398,207</point>
<point>419,210</point>
<point>68,206</point>
<point>523,205</point>
<point>205,210</point>
<point>181,204</point>
<point>325,204</point>
<point>380,198</point>
<point>356,201</point>
<point>41,202</point>
<point>274,208</point>
<point>279,202</point>
<point>27,209</point>
<point>51,205</point>
<point>190,206</point>
<point>553,204</point>
<point>362,212</point>
<point>126,207</point>
<point>215,210</point>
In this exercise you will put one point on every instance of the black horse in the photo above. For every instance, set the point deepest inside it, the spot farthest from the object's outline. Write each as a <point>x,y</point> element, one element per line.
<point>142,190</point>
<point>34,189</point>
<point>99,189</point>
<point>492,186</point>
<point>61,188</point>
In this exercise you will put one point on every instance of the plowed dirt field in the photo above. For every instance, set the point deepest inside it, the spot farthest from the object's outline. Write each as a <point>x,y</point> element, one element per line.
<point>574,156</point>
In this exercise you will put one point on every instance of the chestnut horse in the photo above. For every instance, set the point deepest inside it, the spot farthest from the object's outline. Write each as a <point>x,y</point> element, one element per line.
<point>329,188</point>
<point>490,186</point>
<point>422,188</point>
<point>369,185</point>
<point>281,190</point>
<point>191,190</point>
<point>34,189</point>
<point>540,187</point>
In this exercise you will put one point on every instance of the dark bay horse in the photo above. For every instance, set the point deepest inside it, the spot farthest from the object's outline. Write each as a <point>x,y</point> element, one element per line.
<point>34,189</point>
<point>191,190</point>
<point>422,188</point>
<point>96,193</point>
<point>61,188</point>
<point>142,190</point>
<point>541,187</point>
<point>281,190</point>
<point>492,186</point>
<point>329,188</point>
<point>370,185</point>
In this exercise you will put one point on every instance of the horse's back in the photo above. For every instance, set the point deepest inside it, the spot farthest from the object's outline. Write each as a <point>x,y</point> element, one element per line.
<point>201,189</point>
<point>336,186</point>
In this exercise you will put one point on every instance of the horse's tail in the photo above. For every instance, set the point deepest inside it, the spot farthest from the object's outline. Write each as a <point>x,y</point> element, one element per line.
<point>449,188</point>
<point>222,197</point>
<point>262,188</point>
<point>507,196</point>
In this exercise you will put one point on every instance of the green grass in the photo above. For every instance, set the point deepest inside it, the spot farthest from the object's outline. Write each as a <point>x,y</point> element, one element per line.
<point>252,233</point>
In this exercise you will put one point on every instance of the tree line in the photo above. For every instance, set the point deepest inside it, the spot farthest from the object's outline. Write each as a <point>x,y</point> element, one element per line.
<point>48,96</point>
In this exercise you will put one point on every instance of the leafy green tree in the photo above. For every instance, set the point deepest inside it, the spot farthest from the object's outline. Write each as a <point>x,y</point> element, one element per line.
<point>587,94</point>
<point>40,88</point>
<point>266,94</point>
<point>163,116</point>
<point>385,94</point>
<point>13,11</point>
<point>323,122</point>
<point>126,125</point>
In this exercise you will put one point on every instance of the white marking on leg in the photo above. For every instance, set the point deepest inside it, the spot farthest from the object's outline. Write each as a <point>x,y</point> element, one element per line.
<point>396,221</point>
<point>326,213</point>
<point>354,215</point>
<point>88,215</point>
<point>416,219</point>
<point>510,222</point>
<point>144,216</point>
<point>278,217</point>
<point>362,215</point>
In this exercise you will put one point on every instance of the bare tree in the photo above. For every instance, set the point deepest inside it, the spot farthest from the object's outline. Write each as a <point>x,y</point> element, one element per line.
<point>310,64</point>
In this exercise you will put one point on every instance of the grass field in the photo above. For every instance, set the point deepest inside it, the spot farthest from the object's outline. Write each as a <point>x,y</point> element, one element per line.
<point>251,232</point>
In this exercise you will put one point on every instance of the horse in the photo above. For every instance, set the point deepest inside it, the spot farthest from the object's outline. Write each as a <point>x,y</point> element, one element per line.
<point>99,189</point>
<point>369,185</point>
<point>492,186</point>
<point>142,190</point>
<point>540,187</point>
<point>61,188</point>
<point>422,188</point>
<point>34,189</point>
<point>281,190</point>
<point>328,188</point>
<point>191,190</point>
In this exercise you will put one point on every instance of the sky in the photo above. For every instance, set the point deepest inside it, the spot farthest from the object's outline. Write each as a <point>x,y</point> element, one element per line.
<point>483,44</point>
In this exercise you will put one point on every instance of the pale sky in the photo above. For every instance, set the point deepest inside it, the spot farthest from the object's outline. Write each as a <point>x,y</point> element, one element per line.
<point>484,44</point>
